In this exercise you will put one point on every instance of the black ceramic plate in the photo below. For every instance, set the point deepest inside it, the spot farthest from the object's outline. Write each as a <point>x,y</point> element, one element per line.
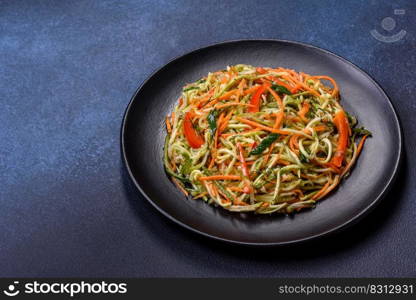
<point>143,133</point>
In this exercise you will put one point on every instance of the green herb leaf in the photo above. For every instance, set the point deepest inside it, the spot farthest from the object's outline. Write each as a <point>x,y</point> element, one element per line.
<point>281,89</point>
<point>362,131</point>
<point>266,142</point>
<point>212,121</point>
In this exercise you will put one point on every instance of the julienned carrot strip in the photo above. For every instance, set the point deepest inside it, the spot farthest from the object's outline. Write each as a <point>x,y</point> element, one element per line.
<point>241,203</point>
<point>320,128</point>
<point>335,89</point>
<point>172,117</point>
<point>293,118</point>
<point>331,187</point>
<point>225,78</point>
<point>219,106</point>
<point>224,123</point>
<point>257,125</point>
<point>248,163</point>
<point>341,122</point>
<point>252,90</point>
<point>276,96</point>
<point>361,144</point>
<point>283,162</point>
<point>217,131</point>
<point>321,191</point>
<point>280,82</point>
<point>211,163</point>
<point>168,126</point>
<point>220,177</point>
<point>279,120</point>
<point>304,110</point>
<point>304,86</point>
<point>241,87</point>
<point>266,159</point>
<point>228,94</point>
<point>256,98</point>
<point>247,184</point>
<point>226,199</point>
<point>359,148</point>
<point>235,189</point>
<point>293,143</point>
<point>214,189</point>
<point>180,186</point>
<point>243,161</point>
<point>261,70</point>
<point>205,98</point>
<point>286,85</point>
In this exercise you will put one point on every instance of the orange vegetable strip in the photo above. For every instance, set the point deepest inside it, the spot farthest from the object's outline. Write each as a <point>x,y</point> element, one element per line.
<point>359,148</point>
<point>279,120</point>
<point>217,132</point>
<point>226,200</point>
<point>220,177</point>
<point>341,122</point>
<point>266,159</point>
<point>172,117</point>
<point>235,189</point>
<point>248,163</point>
<point>211,164</point>
<point>304,86</point>
<point>283,162</point>
<point>321,191</point>
<point>330,188</point>
<point>293,143</point>
<point>225,122</point>
<point>276,96</point>
<point>256,98</point>
<point>257,125</point>
<point>179,186</point>
<point>320,128</point>
<point>231,104</point>
<point>252,90</point>
<point>168,126</point>
<point>244,168</point>
<point>241,87</point>
<point>304,111</point>
<point>228,94</point>
<point>335,90</point>
<point>288,86</point>
<point>261,70</point>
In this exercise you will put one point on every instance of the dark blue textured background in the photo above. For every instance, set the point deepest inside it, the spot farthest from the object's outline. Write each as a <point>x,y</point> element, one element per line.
<point>67,72</point>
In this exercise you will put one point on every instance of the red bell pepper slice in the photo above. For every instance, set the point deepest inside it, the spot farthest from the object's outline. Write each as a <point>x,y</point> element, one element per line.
<point>192,136</point>
<point>256,98</point>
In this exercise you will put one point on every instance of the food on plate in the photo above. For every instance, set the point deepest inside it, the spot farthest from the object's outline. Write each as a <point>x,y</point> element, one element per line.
<point>261,139</point>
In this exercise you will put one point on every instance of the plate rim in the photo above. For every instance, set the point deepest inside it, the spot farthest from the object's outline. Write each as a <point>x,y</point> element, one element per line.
<point>331,231</point>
